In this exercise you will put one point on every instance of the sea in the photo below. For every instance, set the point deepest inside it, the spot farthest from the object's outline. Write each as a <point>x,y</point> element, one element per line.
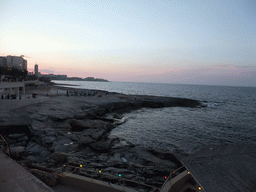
<point>228,118</point>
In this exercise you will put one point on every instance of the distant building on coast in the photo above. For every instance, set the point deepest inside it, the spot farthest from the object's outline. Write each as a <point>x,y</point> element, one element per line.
<point>13,61</point>
<point>36,70</point>
<point>55,77</point>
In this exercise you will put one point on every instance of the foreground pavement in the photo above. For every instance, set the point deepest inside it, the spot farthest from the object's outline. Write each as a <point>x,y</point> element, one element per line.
<point>14,177</point>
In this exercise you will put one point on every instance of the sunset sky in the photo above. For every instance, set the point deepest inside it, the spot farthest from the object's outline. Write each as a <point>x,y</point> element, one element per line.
<point>209,42</point>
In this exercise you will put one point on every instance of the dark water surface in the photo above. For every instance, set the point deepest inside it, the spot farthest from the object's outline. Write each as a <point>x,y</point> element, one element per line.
<point>230,115</point>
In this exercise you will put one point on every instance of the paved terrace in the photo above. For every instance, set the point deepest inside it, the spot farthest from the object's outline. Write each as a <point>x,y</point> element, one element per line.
<point>14,177</point>
<point>224,167</point>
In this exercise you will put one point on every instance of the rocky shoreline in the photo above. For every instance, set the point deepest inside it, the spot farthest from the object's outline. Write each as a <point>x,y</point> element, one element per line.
<point>71,126</point>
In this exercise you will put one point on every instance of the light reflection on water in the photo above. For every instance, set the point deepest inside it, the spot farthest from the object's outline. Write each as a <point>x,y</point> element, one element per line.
<point>181,129</point>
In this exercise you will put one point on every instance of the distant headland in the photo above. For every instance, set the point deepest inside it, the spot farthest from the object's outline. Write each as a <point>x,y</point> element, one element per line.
<point>65,78</point>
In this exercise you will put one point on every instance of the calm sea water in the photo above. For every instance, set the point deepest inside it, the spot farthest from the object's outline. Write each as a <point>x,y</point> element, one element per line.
<point>230,115</point>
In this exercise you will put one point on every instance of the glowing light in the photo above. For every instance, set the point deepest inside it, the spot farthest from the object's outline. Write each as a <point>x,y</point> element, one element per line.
<point>165,177</point>
<point>64,165</point>
<point>199,188</point>
<point>81,165</point>
<point>119,175</point>
<point>188,172</point>
<point>99,171</point>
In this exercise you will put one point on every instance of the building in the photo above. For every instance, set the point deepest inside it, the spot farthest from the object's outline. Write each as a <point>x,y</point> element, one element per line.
<point>2,61</point>
<point>36,70</point>
<point>13,61</point>
<point>25,64</point>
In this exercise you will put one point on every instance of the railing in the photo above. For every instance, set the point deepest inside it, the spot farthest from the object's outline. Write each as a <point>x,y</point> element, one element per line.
<point>13,83</point>
<point>99,175</point>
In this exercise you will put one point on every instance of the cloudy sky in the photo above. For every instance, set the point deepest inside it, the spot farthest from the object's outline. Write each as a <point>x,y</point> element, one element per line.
<point>168,41</point>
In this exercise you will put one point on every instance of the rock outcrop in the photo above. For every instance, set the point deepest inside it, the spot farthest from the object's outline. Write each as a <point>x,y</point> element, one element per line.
<point>73,130</point>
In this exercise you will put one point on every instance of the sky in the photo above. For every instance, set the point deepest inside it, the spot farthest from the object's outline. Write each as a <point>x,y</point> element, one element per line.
<point>210,42</point>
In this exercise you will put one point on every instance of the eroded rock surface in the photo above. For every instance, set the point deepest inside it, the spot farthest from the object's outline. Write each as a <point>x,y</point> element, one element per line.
<point>73,130</point>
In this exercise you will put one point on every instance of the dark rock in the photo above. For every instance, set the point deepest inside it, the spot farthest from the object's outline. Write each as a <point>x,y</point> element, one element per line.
<point>98,165</point>
<point>64,145</point>
<point>11,141</point>
<point>103,147</point>
<point>164,155</point>
<point>128,176</point>
<point>109,169</point>
<point>15,136</point>
<point>32,158</point>
<point>39,117</point>
<point>61,125</point>
<point>153,104</point>
<point>22,143</point>
<point>74,136</point>
<point>120,143</point>
<point>96,135</point>
<point>80,125</point>
<point>91,115</point>
<point>57,117</point>
<point>109,178</point>
<point>50,131</point>
<point>59,157</point>
<point>25,138</point>
<point>151,172</point>
<point>117,156</point>
<point>39,152</point>
<point>17,151</point>
<point>117,116</point>
<point>85,140</point>
<point>136,165</point>
<point>49,140</point>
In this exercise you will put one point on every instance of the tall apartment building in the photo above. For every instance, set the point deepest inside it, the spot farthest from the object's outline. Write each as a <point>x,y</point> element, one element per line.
<point>2,61</point>
<point>36,70</point>
<point>14,61</point>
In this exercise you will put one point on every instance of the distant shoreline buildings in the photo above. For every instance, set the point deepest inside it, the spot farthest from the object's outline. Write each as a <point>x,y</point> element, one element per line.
<point>18,62</point>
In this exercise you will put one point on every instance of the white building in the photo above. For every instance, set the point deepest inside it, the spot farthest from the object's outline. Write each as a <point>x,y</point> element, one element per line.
<point>17,62</point>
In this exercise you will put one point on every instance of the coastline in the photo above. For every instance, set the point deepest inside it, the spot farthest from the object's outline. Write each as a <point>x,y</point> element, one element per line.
<point>73,129</point>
